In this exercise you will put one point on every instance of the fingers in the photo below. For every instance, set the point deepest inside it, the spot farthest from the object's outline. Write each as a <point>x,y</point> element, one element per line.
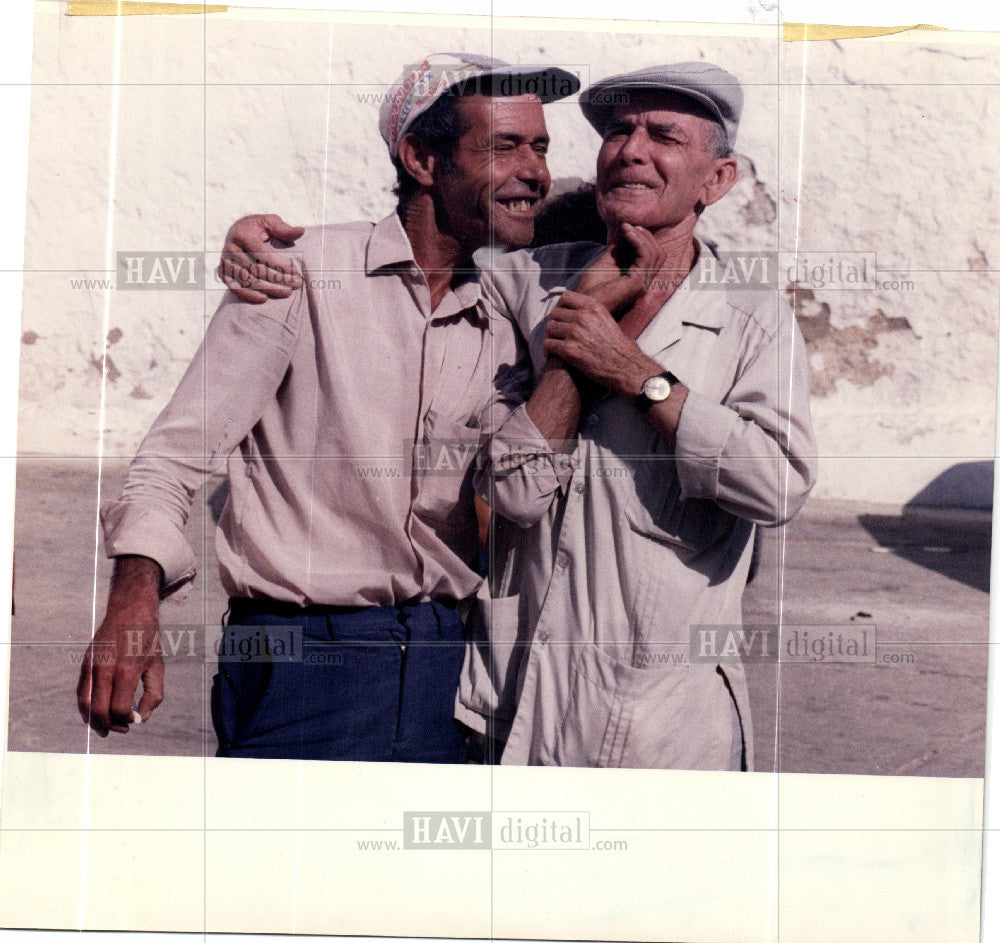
<point>648,251</point>
<point>563,348</point>
<point>271,265</point>
<point>572,305</point>
<point>633,236</point>
<point>109,679</point>
<point>102,674</point>
<point>250,259</point>
<point>560,327</point>
<point>552,347</point>
<point>252,282</point>
<point>276,226</point>
<point>249,287</point>
<point>250,236</point>
<point>573,300</point>
<point>252,268</point>
<point>152,689</point>
<point>126,683</point>
<point>244,294</point>
<point>84,695</point>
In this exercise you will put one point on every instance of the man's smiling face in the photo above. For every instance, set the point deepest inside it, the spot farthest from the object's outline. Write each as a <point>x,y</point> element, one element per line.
<point>656,163</point>
<point>498,174</point>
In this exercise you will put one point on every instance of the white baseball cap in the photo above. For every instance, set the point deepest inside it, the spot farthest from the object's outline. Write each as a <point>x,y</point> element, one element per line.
<point>423,84</point>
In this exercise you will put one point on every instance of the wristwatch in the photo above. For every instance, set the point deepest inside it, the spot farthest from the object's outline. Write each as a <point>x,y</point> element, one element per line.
<point>655,390</point>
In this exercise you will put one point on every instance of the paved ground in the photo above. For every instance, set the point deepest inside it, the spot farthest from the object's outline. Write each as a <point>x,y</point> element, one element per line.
<point>916,581</point>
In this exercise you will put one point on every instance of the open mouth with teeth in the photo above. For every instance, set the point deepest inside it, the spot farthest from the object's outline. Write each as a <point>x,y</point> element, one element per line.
<point>631,185</point>
<point>521,206</point>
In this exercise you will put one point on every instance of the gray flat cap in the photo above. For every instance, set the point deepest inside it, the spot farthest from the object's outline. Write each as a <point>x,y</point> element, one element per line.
<point>718,90</point>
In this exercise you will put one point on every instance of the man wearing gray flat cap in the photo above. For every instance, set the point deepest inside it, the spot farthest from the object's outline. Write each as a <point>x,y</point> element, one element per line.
<point>718,90</point>
<point>675,419</point>
<point>678,420</point>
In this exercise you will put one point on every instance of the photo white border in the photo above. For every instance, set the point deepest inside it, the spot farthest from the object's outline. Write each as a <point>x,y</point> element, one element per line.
<point>15,65</point>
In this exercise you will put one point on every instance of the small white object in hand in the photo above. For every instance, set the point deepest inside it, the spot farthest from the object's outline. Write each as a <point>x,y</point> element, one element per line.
<point>136,717</point>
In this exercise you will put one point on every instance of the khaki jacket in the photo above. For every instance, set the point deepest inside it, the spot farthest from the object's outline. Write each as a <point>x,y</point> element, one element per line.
<point>607,561</point>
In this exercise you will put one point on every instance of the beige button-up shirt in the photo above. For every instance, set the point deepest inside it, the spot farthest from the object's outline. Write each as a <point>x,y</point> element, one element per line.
<point>611,556</point>
<point>349,414</point>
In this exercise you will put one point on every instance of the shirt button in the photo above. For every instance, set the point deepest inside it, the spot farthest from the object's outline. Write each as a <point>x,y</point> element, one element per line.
<point>543,637</point>
<point>579,487</point>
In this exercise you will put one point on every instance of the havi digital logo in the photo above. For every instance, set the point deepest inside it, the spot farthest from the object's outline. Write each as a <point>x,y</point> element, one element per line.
<point>446,829</point>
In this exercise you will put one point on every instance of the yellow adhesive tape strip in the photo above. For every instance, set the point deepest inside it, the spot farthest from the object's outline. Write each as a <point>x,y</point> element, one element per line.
<point>135,8</point>
<point>799,32</point>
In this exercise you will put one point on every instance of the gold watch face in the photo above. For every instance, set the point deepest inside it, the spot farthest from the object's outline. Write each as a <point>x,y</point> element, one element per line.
<point>656,389</point>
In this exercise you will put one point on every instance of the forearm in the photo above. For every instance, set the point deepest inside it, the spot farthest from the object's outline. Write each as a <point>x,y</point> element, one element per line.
<point>753,454</point>
<point>135,581</point>
<point>557,400</point>
<point>125,650</point>
<point>554,406</point>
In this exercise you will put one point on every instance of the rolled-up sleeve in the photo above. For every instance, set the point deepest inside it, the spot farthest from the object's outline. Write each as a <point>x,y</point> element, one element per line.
<point>238,367</point>
<point>754,454</point>
<point>517,474</point>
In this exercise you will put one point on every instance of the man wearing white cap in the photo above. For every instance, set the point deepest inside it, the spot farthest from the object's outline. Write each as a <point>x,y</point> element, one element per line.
<point>677,420</point>
<point>345,556</point>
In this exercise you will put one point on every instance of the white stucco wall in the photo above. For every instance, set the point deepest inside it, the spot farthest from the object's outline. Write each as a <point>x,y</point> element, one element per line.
<point>869,146</point>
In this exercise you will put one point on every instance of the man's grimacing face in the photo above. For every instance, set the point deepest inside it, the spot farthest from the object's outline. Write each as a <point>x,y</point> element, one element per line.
<point>499,173</point>
<point>655,165</point>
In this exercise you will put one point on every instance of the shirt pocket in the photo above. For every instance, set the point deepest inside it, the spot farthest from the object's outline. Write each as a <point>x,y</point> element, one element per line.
<point>676,717</point>
<point>444,458</point>
<point>489,677</point>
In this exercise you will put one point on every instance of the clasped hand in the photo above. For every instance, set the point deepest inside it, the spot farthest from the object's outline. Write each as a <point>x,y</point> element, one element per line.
<point>583,330</point>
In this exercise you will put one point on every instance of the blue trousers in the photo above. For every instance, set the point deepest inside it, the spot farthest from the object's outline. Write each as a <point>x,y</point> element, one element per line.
<point>329,683</point>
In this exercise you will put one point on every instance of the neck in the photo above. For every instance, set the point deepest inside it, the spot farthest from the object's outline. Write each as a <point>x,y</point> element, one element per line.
<point>679,244</point>
<point>437,253</point>
<point>681,255</point>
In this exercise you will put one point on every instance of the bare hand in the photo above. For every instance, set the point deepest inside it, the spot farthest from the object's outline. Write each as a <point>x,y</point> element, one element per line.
<point>251,268</point>
<point>624,270</point>
<point>124,650</point>
<point>582,332</point>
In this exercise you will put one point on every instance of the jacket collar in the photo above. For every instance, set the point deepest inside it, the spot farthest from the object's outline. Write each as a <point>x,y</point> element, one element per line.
<point>689,304</point>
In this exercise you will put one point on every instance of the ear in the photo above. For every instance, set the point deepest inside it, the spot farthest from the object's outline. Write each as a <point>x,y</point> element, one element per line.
<point>418,160</point>
<point>721,179</point>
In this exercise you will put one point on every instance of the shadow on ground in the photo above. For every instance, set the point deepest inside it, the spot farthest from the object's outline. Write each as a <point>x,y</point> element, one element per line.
<point>954,544</point>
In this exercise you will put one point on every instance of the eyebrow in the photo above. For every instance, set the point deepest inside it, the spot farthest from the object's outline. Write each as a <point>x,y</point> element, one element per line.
<point>670,127</point>
<point>518,138</point>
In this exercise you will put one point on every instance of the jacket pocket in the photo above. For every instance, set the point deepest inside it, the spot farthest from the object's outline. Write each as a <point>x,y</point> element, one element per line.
<point>492,660</point>
<point>677,717</point>
<point>659,511</point>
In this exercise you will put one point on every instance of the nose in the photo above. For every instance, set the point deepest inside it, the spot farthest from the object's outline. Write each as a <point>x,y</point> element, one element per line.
<point>533,170</point>
<point>634,150</point>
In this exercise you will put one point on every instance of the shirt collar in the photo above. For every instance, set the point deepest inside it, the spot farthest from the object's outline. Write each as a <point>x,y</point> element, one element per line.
<point>388,245</point>
<point>389,248</point>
